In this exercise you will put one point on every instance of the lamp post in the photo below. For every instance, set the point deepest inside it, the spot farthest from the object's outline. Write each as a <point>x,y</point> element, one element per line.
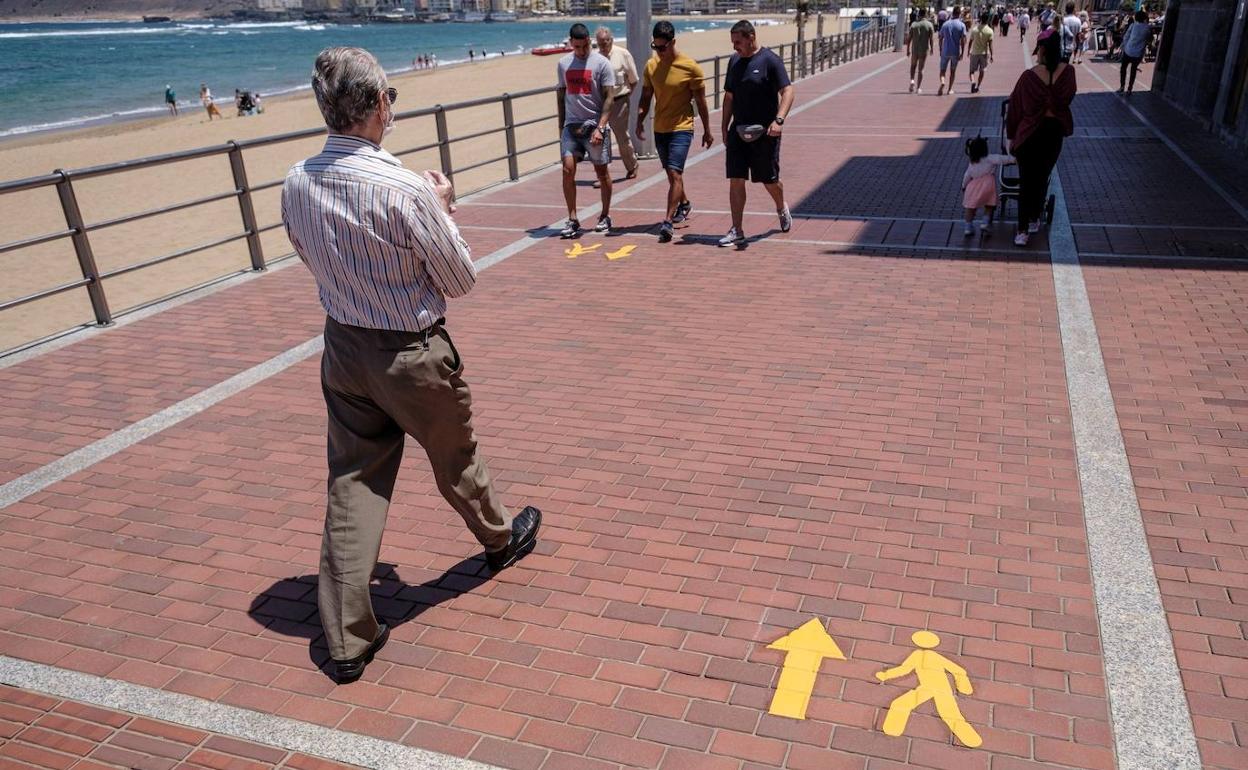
<point>637,12</point>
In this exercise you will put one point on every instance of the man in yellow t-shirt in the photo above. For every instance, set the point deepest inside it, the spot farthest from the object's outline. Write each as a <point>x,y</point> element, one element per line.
<point>675,83</point>
<point>981,51</point>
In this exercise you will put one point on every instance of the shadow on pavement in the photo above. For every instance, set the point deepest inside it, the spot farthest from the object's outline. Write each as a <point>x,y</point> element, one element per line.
<point>289,605</point>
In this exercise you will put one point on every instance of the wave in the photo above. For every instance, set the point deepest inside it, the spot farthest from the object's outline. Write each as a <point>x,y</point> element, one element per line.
<point>83,121</point>
<point>89,32</point>
<point>310,27</point>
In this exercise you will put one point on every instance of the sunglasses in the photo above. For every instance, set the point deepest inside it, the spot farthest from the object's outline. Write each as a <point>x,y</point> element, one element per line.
<point>392,94</point>
<point>660,47</point>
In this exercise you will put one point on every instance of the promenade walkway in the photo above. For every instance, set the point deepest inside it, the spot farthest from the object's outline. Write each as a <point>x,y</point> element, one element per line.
<point>871,422</point>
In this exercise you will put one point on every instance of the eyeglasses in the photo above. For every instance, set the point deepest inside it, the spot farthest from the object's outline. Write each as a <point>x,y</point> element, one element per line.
<point>660,47</point>
<point>392,94</point>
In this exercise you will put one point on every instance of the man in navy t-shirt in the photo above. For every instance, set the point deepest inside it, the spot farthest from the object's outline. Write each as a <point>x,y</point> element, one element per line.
<point>757,98</point>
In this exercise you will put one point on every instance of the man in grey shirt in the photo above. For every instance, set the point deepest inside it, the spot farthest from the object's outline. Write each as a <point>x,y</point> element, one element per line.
<point>585,88</point>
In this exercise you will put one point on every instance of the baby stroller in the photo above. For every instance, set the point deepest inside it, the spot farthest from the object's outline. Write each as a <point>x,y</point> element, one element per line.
<point>1008,183</point>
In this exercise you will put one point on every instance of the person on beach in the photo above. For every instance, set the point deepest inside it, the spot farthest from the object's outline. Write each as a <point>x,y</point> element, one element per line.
<point>918,44</point>
<point>1134,44</point>
<point>380,242</point>
<point>979,184</point>
<point>625,70</point>
<point>472,55</point>
<point>981,52</point>
<point>1037,121</point>
<point>757,98</point>
<point>585,88</point>
<point>952,47</point>
<point>205,98</point>
<point>171,100</point>
<point>675,82</point>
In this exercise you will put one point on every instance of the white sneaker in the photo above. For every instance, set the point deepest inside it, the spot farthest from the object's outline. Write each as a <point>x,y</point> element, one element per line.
<point>786,219</point>
<point>985,225</point>
<point>733,238</point>
<point>1020,239</point>
<point>968,229</point>
<point>911,86</point>
<point>918,90</point>
<point>1033,227</point>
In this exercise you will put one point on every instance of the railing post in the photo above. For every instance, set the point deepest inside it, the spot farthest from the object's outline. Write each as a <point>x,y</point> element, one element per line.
<point>254,249</point>
<point>509,121</point>
<point>444,142</point>
<point>717,82</point>
<point>82,247</point>
<point>793,59</point>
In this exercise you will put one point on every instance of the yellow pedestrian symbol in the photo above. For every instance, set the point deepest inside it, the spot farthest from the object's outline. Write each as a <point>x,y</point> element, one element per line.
<point>577,250</point>
<point>620,253</point>
<point>932,669</point>
<point>806,646</point>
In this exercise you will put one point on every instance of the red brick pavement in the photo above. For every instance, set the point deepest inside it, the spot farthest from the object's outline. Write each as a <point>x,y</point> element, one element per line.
<point>726,444</point>
<point>41,732</point>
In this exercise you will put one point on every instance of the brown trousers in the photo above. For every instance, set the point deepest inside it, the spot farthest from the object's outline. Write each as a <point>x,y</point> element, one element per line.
<point>618,120</point>
<point>379,387</point>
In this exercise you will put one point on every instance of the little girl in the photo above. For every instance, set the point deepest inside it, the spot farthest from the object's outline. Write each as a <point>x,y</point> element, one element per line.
<point>979,183</point>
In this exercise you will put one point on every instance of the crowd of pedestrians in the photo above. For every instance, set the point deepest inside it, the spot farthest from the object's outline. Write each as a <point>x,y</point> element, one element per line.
<point>592,91</point>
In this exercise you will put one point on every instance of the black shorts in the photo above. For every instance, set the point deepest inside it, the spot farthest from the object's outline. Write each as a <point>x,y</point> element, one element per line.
<point>758,161</point>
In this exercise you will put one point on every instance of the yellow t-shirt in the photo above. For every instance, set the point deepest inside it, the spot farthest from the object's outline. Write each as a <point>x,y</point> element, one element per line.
<point>674,86</point>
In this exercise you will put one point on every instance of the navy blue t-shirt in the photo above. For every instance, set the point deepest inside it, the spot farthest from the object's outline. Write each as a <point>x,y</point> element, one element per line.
<point>755,84</point>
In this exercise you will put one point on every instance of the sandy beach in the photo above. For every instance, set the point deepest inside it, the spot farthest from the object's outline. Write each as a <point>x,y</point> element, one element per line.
<point>29,214</point>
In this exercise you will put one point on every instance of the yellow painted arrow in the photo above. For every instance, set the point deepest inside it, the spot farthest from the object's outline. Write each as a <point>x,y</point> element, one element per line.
<point>806,646</point>
<point>621,252</point>
<point>577,250</point>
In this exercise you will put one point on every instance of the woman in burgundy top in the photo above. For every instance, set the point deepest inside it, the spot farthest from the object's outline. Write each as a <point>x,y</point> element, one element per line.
<point>1038,119</point>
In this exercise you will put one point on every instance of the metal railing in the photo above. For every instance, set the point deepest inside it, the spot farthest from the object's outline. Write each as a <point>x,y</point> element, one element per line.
<point>804,58</point>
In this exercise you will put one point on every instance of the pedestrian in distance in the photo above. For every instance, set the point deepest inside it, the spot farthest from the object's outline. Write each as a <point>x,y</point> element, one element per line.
<point>1069,28</point>
<point>1134,44</point>
<point>675,83</point>
<point>205,98</point>
<point>1037,120</point>
<point>1081,40</point>
<point>1006,21</point>
<point>952,36</point>
<point>171,100</point>
<point>918,45</point>
<point>1024,22</point>
<point>386,254</point>
<point>585,90</point>
<point>980,46</point>
<point>979,184</point>
<point>757,98</point>
<point>625,71</point>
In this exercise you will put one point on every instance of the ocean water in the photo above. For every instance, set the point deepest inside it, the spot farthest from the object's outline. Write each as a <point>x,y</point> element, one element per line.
<point>69,74</point>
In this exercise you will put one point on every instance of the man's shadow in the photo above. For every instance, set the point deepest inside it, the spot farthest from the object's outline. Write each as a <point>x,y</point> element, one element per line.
<point>289,606</point>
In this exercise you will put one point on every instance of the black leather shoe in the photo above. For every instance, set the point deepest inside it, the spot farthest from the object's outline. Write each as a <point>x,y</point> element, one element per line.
<point>346,671</point>
<point>523,537</point>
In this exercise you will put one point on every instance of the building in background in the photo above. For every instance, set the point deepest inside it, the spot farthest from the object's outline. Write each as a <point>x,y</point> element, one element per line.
<point>1202,64</point>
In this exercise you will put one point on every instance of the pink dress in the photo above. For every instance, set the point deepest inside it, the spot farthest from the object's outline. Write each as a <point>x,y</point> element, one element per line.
<point>980,181</point>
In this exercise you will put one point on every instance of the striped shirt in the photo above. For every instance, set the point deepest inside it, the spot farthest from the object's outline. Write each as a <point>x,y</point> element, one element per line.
<point>384,253</point>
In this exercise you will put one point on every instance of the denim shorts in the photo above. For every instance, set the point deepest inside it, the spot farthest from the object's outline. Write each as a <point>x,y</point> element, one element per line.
<point>673,148</point>
<point>581,148</point>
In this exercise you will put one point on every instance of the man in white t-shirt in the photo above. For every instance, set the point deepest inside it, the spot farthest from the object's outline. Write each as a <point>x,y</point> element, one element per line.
<point>1071,25</point>
<point>625,70</point>
<point>586,91</point>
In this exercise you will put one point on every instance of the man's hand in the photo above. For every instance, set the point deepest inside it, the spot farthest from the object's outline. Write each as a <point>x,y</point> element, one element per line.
<point>707,139</point>
<point>774,129</point>
<point>444,189</point>
<point>596,137</point>
<point>641,128</point>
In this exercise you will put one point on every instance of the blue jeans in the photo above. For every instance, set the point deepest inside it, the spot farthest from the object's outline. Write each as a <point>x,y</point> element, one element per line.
<point>673,148</point>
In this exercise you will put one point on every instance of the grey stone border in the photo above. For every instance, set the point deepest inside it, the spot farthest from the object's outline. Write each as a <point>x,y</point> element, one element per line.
<point>1151,723</point>
<point>244,724</point>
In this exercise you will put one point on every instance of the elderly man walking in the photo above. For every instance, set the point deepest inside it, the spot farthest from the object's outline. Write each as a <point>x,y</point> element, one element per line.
<point>625,69</point>
<point>380,241</point>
